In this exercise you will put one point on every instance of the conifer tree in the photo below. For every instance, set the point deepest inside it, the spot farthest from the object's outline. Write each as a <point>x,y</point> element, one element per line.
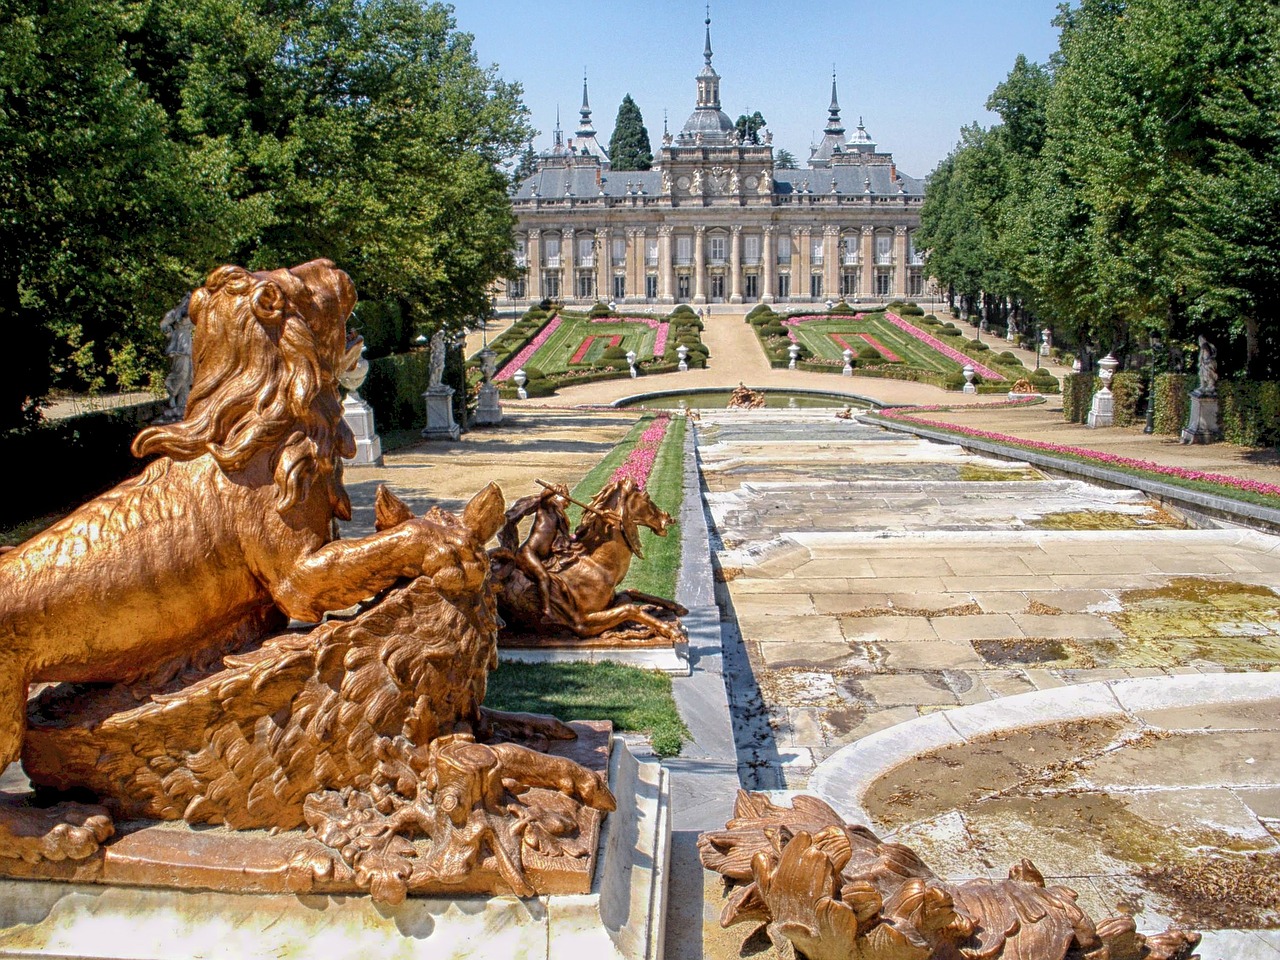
<point>629,147</point>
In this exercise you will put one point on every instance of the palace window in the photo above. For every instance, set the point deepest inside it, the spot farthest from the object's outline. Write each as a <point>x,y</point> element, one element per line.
<point>515,289</point>
<point>751,248</point>
<point>915,284</point>
<point>884,247</point>
<point>522,257</point>
<point>682,287</point>
<point>849,245</point>
<point>684,249</point>
<point>716,248</point>
<point>784,248</point>
<point>586,285</point>
<point>586,251</point>
<point>717,286</point>
<point>753,287</point>
<point>619,287</point>
<point>884,282</point>
<point>619,250</point>
<point>651,287</point>
<point>815,285</point>
<point>914,256</point>
<point>784,286</point>
<point>551,284</point>
<point>651,251</point>
<point>551,251</point>
<point>815,249</point>
<point>849,284</point>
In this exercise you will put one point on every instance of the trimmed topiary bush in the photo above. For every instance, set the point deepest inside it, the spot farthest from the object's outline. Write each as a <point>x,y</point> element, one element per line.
<point>1127,388</point>
<point>869,353</point>
<point>1250,412</point>
<point>1077,395</point>
<point>600,310</point>
<point>1173,401</point>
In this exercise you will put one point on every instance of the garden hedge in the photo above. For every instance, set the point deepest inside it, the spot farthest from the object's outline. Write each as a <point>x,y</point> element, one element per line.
<point>1173,402</point>
<point>1250,412</point>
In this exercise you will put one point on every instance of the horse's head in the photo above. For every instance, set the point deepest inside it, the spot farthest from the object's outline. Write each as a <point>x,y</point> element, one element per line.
<point>633,508</point>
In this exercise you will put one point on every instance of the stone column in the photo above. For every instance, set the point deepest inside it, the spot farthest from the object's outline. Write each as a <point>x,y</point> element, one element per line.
<point>768,264</point>
<point>666,276</point>
<point>868,260</point>
<point>801,263</point>
<point>900,262</point>
<point>604,266</point>
<point>635,264</point>
<point>534,259</point>
<point>735,263</point>
<point>831,262</point>
<point>700,264</point>
<point>568,266</point>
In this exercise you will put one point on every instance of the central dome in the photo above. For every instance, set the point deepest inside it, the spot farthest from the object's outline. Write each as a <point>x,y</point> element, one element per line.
<point>710,122</point>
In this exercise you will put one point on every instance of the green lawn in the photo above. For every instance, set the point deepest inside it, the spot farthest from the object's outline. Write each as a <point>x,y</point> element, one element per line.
<point>555,355</point>
<point>633,699</point>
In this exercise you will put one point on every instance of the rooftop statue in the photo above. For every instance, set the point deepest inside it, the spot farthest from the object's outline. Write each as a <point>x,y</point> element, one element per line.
<point>158,610</point>
<point>826,889</point>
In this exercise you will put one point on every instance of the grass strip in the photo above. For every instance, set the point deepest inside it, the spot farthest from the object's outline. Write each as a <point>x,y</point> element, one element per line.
<point>635,700</point>
<point>658,571</point>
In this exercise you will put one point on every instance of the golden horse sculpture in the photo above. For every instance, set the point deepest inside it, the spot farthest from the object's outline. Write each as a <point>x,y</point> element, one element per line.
<point>555,583</point>
<point>158,608</point>
<point>830,890</point>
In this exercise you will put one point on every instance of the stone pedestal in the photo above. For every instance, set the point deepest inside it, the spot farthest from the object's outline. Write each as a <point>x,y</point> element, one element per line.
<point>1102,411</point>
<point>440,424</point>
<point>621,917</point>
<point>489,407</point>
<point>358,415</point>
<point>1204,424</point>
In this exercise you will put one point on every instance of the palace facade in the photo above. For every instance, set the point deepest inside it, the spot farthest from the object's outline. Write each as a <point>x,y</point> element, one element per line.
<point>715,221</point>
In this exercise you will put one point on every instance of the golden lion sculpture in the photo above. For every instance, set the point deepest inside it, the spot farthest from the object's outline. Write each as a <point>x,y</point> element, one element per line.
<point>158,600</point>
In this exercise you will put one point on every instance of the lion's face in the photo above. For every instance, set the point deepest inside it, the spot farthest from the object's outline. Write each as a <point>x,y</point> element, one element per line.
<point>268,349</point>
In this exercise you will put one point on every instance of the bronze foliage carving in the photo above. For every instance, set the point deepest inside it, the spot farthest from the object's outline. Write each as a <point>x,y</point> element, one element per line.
<point>554,584</point>
<point>159,607</point>
<point>830,890</point>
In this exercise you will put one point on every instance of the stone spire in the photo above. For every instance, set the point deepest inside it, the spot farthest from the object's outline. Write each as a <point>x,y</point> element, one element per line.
<point>832,145</point>
<point>707,120</point>
<point>584,125</point>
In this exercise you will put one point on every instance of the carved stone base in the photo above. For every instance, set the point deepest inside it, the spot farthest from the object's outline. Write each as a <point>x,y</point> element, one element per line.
<point>1102,413</point>
<point>618,915</point>
<point>440,423</point>
<point>1204,424</point>
<point>489,407</point>
<point>359,417</point>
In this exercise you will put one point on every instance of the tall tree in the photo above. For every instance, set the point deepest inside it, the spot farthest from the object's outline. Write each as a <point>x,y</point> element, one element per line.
<point>526,166</point>
<point>749,127</point>
<point>785,160</point>
<point>142,145</point>
<point>629,147</point>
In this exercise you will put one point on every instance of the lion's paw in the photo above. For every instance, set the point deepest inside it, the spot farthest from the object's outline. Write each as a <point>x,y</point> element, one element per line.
<point>65,831</point>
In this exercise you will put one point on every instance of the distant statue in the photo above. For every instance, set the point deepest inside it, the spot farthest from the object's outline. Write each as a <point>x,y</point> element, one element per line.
<point>734,183</point>
<point>1208,386</point>
<point>176,325</point>
<point>768,138</point>
<point>696,186</point>
<point>766,183</point>
<point>437,360</point>
<point>666,182</point>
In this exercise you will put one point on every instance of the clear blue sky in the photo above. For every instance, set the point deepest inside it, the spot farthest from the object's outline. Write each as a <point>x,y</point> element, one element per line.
<point>916,70</point>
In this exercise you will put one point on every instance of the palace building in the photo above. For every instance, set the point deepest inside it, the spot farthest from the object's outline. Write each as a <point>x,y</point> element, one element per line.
<point>715,221</point>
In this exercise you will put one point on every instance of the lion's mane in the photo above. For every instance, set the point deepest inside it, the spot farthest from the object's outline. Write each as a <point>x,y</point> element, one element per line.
<point>262,381</point>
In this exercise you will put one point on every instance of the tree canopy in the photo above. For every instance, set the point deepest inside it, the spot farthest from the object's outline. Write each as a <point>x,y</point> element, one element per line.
<point>1132,186</point>
<point>784,159</point>
<point>629,147</point>
<point>749,127</point>
<point>143,145</point>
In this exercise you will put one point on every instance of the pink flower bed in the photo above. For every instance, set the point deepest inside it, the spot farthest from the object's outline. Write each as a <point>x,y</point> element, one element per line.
<point>950,352</point>
<point>582,350</point>
<point>534,346</point>
<point>884,351</point>
<point>1238,483</point>
<point>639,462</point>
<point>841,342</point>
